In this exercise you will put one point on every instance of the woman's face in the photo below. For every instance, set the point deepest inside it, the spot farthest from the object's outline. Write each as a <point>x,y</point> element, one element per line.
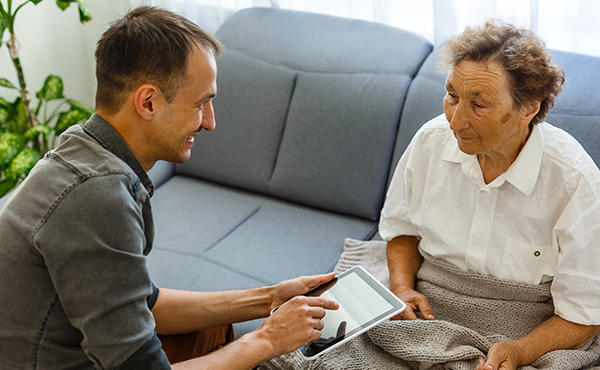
<point>481,111</point>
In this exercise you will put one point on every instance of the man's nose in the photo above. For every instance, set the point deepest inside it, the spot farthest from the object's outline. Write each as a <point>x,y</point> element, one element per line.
<point>208,117</point>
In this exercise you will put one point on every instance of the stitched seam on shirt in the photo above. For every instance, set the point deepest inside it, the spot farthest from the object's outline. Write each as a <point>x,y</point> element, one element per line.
<point>38,340</point>
<point>81,177</point>
<point>66,164</point>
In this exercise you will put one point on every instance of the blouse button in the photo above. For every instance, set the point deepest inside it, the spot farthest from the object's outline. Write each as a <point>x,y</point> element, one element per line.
<point>536,253</point>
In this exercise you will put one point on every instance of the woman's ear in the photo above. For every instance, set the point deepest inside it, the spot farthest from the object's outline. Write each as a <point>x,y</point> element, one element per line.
<point>146,99</point>
<point>529,111</point>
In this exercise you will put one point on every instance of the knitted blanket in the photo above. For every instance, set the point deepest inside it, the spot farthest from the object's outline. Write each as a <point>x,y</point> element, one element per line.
<point>473,311</point>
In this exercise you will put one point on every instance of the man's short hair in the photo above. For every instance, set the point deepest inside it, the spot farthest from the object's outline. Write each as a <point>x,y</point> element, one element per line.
<point>531,74</point>
<point>148,45</point>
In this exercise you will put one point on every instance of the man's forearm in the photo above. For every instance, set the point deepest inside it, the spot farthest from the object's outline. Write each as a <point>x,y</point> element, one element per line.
<point>404,260</point>
<point>179,312</point>
<point>245,353</point>
<point>555,333</point>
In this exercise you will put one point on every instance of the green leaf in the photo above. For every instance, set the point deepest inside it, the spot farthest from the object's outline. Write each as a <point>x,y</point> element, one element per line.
<point>80,106</point>
<point>68,119</point>
<point>3,25</point>
<point>6,83</point>
<point>6,186</point>
<point>35,2</point>
<point>52,89</point>
<point>36,130</point>
<point>7,112</point>
<point>63,4</point>
<point>23,163</point>
<point>17,123</point>
<point>84,13</point>
<point>10,145</point>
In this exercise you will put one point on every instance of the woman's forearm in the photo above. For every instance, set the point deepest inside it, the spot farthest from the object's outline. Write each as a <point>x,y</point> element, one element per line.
<point>404,260</point>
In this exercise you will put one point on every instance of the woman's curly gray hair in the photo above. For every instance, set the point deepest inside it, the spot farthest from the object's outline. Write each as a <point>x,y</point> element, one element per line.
<point>531,74</point>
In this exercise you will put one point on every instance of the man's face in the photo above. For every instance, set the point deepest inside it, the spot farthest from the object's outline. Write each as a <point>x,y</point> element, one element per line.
<point>190,111</point>
<point>479,107</point>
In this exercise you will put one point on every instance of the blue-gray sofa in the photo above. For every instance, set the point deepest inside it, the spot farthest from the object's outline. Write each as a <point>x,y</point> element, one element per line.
<point>313,112</point>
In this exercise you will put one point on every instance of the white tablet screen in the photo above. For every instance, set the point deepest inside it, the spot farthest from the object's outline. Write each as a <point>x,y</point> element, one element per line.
<point>363,303</point>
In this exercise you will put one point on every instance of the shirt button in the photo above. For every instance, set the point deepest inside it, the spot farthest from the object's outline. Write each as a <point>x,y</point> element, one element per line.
<point>536,253</point>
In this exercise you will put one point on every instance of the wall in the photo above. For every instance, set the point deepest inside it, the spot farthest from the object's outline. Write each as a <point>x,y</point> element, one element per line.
<point>55,42</point>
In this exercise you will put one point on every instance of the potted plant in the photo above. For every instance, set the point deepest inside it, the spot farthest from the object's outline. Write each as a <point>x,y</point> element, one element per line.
<point>29,127</point>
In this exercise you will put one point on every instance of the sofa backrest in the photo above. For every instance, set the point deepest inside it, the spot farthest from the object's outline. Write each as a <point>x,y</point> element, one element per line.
<point>308,108</point>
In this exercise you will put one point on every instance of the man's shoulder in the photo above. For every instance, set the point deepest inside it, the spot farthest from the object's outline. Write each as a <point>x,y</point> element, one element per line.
<point>79,164</point>
<point>81,153</point>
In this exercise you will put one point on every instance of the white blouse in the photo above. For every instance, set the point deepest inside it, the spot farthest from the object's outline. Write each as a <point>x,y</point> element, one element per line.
<point>537,222</point>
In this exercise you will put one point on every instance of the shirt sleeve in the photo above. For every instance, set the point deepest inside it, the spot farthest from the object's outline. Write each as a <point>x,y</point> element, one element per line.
<point>149,357</point>
<point>576,284</point>
<point>93,244</point>
<point>396,215</point>
<point>151,299</point>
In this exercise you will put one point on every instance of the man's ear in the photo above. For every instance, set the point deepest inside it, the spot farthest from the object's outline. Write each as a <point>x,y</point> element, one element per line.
<point>529,111</point>
<point>146,99</point>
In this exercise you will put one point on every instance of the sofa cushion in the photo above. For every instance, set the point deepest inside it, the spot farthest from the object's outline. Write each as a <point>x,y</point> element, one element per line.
<point>274,71</point>
<point>336,147</point>
<point>577,108</point>
<point>250,110</point>
<point>192,216</point>
<point>424,101</point>
<point>282,241</point>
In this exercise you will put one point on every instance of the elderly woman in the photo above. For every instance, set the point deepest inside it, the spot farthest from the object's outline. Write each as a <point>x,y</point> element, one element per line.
<point>492,189</point>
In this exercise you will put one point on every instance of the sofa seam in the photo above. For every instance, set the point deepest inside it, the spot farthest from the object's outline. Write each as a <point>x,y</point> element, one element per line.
<point>213,261</point>
<point>298,68</point>
<point>233,229</point>
<point>283,129</point>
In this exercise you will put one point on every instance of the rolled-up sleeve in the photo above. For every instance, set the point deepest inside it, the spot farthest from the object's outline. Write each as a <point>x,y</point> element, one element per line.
<point>576,285</point>
<point>93,243</point>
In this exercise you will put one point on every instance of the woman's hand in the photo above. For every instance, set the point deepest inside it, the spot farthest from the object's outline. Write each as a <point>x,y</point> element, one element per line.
<point>415,303</point>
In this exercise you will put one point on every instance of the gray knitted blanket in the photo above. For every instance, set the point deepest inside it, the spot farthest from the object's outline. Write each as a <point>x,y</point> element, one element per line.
<point>473,311</point>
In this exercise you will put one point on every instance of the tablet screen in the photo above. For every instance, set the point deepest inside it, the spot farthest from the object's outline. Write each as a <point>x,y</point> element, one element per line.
<point>363,303</point>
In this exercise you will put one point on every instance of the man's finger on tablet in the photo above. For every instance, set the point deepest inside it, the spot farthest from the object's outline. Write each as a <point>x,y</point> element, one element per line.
<point>322,302</point>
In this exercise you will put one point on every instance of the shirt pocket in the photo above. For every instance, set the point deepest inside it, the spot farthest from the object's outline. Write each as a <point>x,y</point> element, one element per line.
<point>527,263</point>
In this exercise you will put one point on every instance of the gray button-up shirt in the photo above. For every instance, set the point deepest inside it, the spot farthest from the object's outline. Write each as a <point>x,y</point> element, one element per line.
<point>73,278</point>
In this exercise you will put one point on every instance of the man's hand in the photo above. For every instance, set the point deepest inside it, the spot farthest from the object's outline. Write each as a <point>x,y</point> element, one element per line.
<point>415,303</point>
<point>285,290</point>
<point>501,356</point>
<point>295,323</point>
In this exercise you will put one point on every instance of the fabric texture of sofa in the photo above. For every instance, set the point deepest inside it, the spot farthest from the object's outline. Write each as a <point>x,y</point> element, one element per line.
<point>313,112</point>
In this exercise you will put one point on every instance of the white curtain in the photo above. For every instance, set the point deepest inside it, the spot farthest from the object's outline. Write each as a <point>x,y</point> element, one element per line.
<point>572,25</point>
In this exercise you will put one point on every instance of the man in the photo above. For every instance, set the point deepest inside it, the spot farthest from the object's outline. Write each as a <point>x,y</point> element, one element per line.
<point>74,285</point>
<point>494,190</point>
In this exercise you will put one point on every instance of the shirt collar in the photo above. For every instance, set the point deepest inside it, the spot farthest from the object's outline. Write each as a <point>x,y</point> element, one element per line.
<point>522,174</point>
<point>110,139</point>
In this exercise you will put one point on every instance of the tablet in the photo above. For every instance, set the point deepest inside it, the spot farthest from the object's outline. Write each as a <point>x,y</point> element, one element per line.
<point>363,303</point>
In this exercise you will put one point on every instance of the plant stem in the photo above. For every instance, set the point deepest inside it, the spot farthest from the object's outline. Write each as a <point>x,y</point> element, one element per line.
<point>14,55</point>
